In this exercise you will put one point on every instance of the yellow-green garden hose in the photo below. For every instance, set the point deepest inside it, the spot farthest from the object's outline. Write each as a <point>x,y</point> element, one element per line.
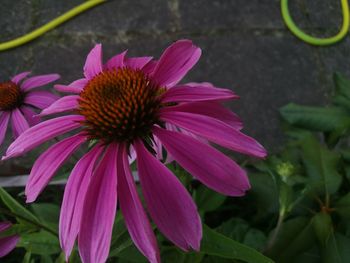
<point>49,26</point>
<point>284,9</point>
<point>315,40</point>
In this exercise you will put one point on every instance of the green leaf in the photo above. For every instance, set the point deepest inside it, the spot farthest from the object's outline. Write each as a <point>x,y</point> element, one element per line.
<point>322,223</point>
<point>342,101</point>
<point>342,85</point>
<point>321,165</point>
<point>175,255</point>
<point>16,208</point>
<point>131,254</point>
<point>40,243</point>
<point>27,256</point>
<point>48,213</point>
<point>61,258</point>
<point>45,259</point>
<point>264,193</point>
<point>337,249</point>
<point>172,255</point>
<point>207,200</point>
<point>120,238</point>
<point>295,237</point>
<point>239,230</point>
<point>342,206</point>
<point>17,229</point>
<point>216,244</point>
<point>315,118</point>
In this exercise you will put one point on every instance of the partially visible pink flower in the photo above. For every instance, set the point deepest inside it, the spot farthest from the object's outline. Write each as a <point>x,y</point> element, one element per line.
<point>18,100</point>
<point>126,104</point>
<point>7,244</point>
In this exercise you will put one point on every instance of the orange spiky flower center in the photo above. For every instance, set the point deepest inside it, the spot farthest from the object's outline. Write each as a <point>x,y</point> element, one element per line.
<point>10,96</point>
<point>120,105</point>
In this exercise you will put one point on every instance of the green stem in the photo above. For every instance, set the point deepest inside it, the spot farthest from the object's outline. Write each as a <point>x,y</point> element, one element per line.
<point>49,26</point>
<point>273,238</point>
<point>12,214</point>
<point>315,40</point>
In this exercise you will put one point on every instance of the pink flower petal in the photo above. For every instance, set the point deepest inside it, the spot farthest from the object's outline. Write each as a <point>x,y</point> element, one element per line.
<point>4,120</point>
<point>199,84</point>
<point>215,131</point>
<point>116,62</point>
<point>99,210</point>
<point>16,79</point>
<point>7,244</point>
<point>149,67</point>
<point>137,63</point>
<point>40,99</point>
<point>75,87</point>
<point>158,148</point>
<point>211,109</point>
<point>192,94</point>
<point>168,202</point>
<point>135,217</point>
<point>48,163</point>
<point>207,164</point>
<point>93,64</point>
<point>4,225</point>
<point>175,62</point>
<point>66,103</point>
<point>19,123</point>
<point>73,199</point>
<point>38,81</point>
<point>42,132</point>
<point>132,155</point>
<point>30,115</point>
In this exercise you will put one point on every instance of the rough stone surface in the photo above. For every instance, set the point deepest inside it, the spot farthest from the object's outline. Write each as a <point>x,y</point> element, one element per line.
<point>246,47</point>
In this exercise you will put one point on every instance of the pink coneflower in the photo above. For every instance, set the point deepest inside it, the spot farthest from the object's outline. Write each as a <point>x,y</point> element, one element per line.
<point>17,101</point>
<point>7,244</point>
<point>127,103</point>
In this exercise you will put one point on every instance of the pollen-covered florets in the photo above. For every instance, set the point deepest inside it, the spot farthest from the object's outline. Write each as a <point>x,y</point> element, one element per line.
<point>119,105</point>
<point>10,96</point>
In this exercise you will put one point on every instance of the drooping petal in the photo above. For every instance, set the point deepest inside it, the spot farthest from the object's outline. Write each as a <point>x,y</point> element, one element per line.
<point>73,199</point>
<point>19,123</point>
<point>175,62</point>
<point>4,225</point>
<point>48,163</point>
<point>4,120</point>
<point>215,131</point>
<point>211,109</point>
<point>30,115</point>
<point>116,62</point>
<point>192,94</point>
<point>137,63</point>
<point>40,99</point>
<point>93,64</point>
<point>135,217</point>
<point>38,81</point>
<point>75,87</point>
<point>17,79</point>
<point>42,132</point>
<point>7,244</point>
<point>99,210</point>
<point>207,164</point>
<point>66,103</point>
<point>168,202</point>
